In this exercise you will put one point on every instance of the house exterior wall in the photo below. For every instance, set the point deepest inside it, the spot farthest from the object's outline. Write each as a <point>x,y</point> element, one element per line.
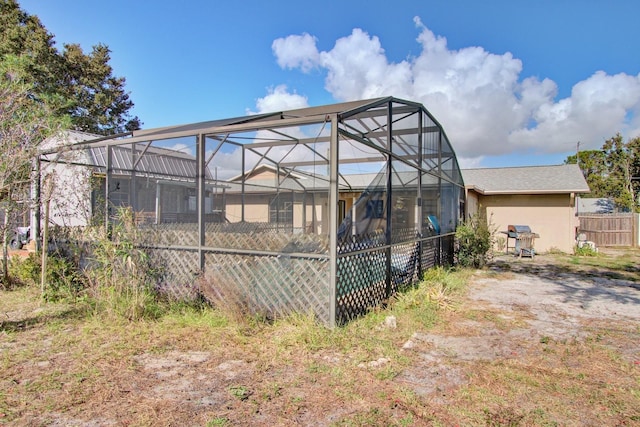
<point>471,206</point>
<point>256,208</point>
<point>264,175</point>
<point>66,186</point>
<point>70,194</point>
<point>313,220</point>
<point>552,216</point>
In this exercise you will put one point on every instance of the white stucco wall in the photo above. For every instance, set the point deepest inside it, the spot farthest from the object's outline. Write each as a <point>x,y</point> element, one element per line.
<point>67,186</point>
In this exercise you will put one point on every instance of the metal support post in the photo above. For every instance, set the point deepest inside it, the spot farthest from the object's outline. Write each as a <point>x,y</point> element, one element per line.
<point>388,230</point>
<point>200,183</point>
<point>107,186</point>
<point>333,219</point>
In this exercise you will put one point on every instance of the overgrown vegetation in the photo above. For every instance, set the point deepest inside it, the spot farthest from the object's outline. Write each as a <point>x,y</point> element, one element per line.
<point>584,251</point>
<point>120,275</point>
<point>475,238</point>
<point>25,121</point>
<point>439,290</point>
<point>110,273</point>
<point>226,298</point>
<point>44,91</point>
<point>196,365</point>
<point>64,282</point>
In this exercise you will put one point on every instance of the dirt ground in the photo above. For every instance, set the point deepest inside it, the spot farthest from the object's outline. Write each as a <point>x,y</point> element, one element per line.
<point>511,310</point>
<point>537,301</point>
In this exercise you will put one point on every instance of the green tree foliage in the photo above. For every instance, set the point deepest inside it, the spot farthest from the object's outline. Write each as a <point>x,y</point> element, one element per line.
<point>81,84</point>
<point>613,171</point>
<point>25,120</point>
<point>100,104</point>
<point>594,167</point>
<point>620,159</point>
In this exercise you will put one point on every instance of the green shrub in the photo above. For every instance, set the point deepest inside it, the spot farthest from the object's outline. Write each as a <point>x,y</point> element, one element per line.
<point>474,242</point>
<point>64,282</point>
<point>63,279</point>
<point>25,271</point>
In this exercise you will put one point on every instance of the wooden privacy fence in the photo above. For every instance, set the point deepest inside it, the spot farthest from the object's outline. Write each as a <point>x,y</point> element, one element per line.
<point>616,229</point>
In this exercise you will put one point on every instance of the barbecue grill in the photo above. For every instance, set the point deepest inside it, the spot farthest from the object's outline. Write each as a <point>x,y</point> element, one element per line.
<point>523,239</point>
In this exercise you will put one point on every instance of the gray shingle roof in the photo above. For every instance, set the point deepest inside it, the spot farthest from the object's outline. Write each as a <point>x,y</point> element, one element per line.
<point>526,180</point>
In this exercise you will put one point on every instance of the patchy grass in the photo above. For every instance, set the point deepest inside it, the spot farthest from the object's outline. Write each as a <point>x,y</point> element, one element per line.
<point>557,383</point>
<point>614,263</point>
<point>66,364</point>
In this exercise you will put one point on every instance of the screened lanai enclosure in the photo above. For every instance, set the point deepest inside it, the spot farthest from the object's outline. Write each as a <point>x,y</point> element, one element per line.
<point>329,210</point>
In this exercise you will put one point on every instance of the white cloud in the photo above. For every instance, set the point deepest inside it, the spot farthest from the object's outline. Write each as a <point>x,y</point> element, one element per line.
<point>296,52</point>
<point>481,99</point>
<point>183,148</point>
<point>279,99</point>
<point>598,107</point>
<point>470,163</point>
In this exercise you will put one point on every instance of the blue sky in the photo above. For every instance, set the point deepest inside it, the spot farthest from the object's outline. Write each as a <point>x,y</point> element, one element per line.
<point>513,82</point>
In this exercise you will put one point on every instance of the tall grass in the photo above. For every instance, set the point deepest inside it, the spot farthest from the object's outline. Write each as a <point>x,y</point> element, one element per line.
<point>437,291</point>
<point>416,309</point>
<point>121,277</point>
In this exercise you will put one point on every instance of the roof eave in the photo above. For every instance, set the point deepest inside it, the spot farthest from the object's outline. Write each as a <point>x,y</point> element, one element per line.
<point>532,192</point>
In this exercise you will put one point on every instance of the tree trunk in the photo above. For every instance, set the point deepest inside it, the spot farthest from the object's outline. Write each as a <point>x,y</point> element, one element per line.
<point>45,249</point>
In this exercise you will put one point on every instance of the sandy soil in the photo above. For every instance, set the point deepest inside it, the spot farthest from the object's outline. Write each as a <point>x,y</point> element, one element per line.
<point>529,301</point>
<point>519,304</point>
<point>536,300</point>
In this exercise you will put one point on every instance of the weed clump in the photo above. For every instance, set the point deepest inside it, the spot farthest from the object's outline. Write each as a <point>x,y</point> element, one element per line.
<point>585,250</point>
<point>25,271</point>
<point>111,272</point>
<point>228,298</point>
<point>437,291</point>
<point>64,281</point>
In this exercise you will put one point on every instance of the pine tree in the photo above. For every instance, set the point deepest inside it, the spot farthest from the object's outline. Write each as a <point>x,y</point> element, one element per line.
<point>82,85</point>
